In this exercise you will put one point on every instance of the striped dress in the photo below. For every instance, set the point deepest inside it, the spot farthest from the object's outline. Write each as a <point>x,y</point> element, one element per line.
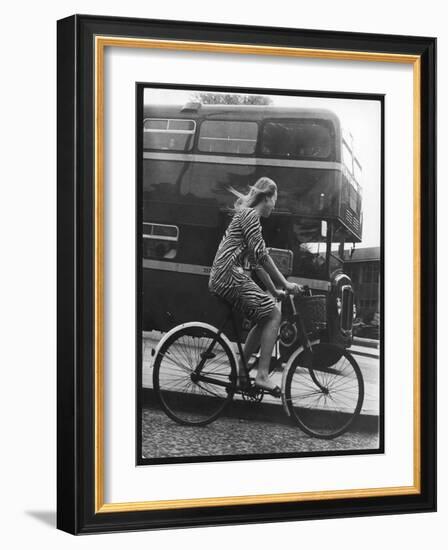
<point>242,241</point>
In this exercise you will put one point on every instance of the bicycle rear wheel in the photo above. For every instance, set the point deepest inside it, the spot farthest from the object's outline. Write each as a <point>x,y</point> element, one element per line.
<point>324,390</point>
<point>188,395</point>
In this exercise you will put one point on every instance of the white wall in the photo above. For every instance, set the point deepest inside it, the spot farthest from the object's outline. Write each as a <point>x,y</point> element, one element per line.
<point>27,275</point>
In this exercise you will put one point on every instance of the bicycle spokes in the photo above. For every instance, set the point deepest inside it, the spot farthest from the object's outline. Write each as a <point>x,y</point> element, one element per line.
<point>325,390</point>
<point>193,378</point>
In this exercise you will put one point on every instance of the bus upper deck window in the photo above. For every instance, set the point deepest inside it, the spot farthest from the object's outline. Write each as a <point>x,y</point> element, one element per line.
<point>168,134</point>
<point>299,139</point>
<point>347,157</point>
<point>358,171</point>
<point>228,136</point>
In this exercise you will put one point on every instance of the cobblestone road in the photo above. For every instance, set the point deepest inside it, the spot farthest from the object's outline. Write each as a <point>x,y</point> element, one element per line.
<point>161,437</point>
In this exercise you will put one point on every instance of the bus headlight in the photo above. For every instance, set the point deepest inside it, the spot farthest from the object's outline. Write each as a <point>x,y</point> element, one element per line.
<point>339,305</point>
<point>347,304</point>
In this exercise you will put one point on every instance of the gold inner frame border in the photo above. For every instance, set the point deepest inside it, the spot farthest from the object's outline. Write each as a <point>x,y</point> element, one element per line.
<point>100,43</point>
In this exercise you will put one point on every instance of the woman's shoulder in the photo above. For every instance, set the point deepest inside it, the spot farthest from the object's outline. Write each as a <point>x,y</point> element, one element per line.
<point>249,216</point>
<point>247,212</point>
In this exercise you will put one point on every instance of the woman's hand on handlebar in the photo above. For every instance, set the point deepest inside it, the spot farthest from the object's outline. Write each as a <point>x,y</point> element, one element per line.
<point>290,288</point>
<point>279,294</point>
<point>293,288</point>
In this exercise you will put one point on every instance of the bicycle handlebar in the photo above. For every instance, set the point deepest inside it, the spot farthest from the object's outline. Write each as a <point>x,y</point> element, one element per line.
<point>305,290</point>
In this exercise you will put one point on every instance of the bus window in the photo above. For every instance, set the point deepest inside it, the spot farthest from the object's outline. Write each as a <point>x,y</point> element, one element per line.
<point>308,246</point>
<point>358,172</point>
<point>371,272</point>
<point>160,241</point>
<point>347,157</point>
<point>231,137</point>
<point>164,134</point>
<point>353,196</point>
<point>299,139</point>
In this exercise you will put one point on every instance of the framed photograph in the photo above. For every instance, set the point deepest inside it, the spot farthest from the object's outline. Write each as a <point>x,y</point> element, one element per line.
<point>246,274</point>
<point>198,152</point>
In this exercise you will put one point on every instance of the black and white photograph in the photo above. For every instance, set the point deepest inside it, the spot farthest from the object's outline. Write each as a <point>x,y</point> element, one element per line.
<point>259,274</point>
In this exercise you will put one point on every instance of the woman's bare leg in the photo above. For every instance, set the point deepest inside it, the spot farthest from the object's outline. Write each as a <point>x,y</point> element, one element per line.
<point>251,346</point>
<point>269,335</point>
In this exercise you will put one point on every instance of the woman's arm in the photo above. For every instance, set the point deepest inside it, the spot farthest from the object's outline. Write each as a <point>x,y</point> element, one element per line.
<point>251,228</point>
<point>265,279</point>
<point>273,271</point>
<point>271,268</point>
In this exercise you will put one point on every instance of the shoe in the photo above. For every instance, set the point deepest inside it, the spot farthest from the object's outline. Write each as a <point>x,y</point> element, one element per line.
<point>274,391</point>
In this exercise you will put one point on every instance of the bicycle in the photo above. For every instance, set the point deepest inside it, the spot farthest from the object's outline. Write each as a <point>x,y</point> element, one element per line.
<point>195,376</point>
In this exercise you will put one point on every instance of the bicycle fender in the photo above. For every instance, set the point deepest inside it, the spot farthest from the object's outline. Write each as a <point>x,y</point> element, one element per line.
<point>194,324</point>
<point>293,355</point>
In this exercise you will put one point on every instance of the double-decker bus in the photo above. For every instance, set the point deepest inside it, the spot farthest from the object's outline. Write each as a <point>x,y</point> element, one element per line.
<point>193,154</point>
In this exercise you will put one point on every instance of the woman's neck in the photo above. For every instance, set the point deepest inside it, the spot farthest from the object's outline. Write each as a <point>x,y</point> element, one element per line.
<point>257,208</point>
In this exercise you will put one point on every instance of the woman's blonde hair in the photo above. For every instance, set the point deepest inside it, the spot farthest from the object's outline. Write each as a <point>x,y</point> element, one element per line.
<point>263,187</point>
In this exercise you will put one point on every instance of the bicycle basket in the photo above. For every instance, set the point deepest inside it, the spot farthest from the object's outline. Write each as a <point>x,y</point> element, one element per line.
<point>313,311</point>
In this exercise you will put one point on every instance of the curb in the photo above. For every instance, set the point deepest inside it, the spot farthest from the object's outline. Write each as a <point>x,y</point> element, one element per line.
<point>265,412</point>
<point>366,342</point>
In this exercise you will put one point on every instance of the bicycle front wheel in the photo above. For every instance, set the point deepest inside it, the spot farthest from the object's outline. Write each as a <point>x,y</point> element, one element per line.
<point>324,390</point>
<point>193,381</point>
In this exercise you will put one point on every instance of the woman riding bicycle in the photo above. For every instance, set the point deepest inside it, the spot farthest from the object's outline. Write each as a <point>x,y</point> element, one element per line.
<point>243,241</point>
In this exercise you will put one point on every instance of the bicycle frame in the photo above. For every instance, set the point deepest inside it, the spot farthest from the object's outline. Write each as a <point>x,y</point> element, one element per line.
<point>207,354</point>
<point>231,316</point>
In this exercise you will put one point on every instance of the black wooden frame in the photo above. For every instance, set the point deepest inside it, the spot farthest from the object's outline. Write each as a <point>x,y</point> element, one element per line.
<point>76,262</point>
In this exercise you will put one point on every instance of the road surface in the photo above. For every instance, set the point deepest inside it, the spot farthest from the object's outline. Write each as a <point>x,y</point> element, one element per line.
<point>228,436</point>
